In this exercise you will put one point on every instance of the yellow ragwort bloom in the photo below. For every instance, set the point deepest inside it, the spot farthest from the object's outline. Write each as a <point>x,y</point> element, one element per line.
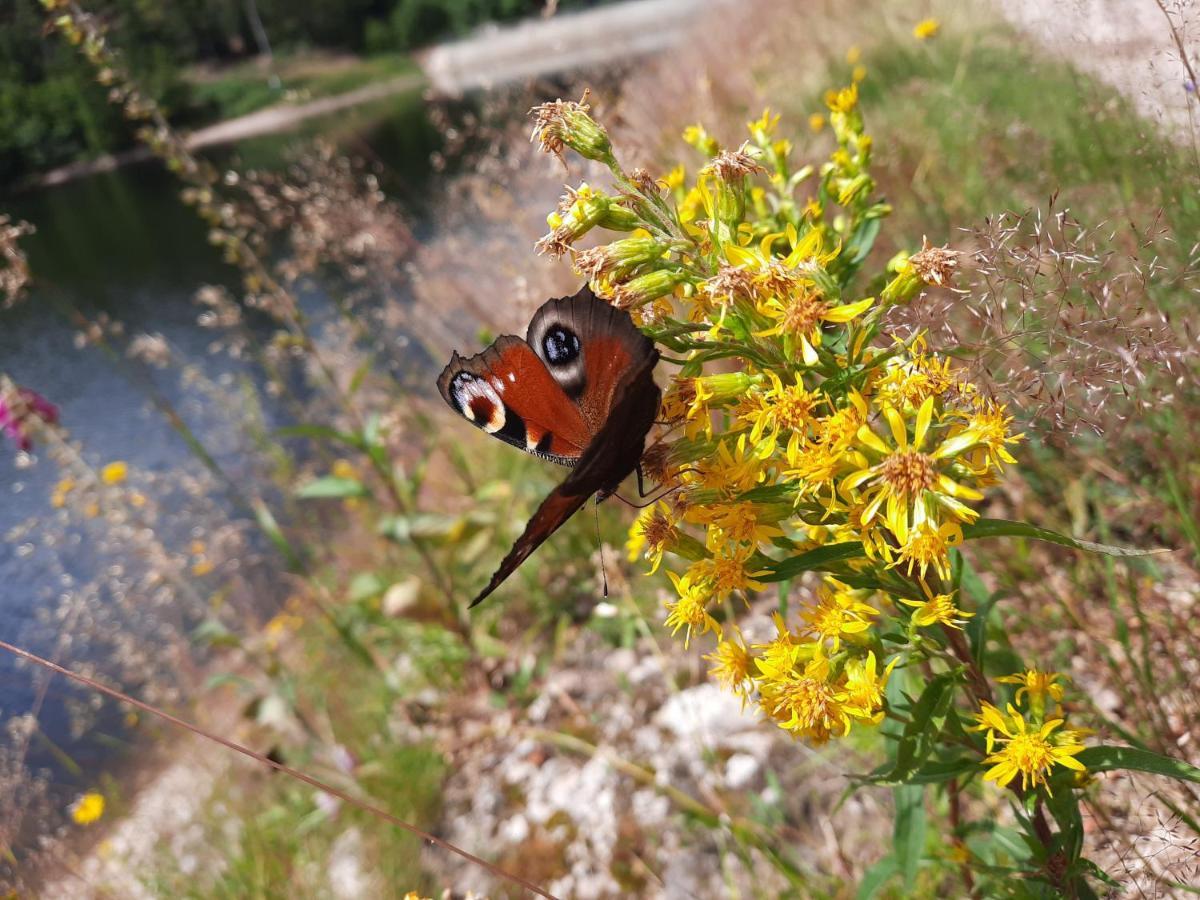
<point>865,687</point>
<point>926,28</point>
<point>938,610</point>
<point>690,611</point>
<point>1037,686</point>
<point>1029,750</point>
<point>88,808</point>
<point>837,612</point>
<point>914,484</point>
<point>731,665</point>
<point>806,703</point>
<point>816,121</point>
<point>928,545</point>
<point>726,572</point>
<point>114,472</point>
<point>653,532</point>
<point>780,408</point>
<point>732,472</point>
<point>738,522</point>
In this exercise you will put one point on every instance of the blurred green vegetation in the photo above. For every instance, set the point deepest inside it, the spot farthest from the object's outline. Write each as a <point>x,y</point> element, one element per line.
<point>52,112</point>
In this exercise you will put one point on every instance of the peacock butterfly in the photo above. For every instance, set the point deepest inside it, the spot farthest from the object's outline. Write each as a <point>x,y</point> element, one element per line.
<point>578,390</point>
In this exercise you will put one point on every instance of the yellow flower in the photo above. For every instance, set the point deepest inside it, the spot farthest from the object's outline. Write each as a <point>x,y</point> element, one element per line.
<point>731,665</point>
<point>653,532</point>
<point>779,408</point>
<point>987,429</point>
<point>806,703</point>
<point>688,400</point>
<point>779,656</point>
<point>732,472</point>
<point>726,572</point>
<point>59,498</point>
<point>202,567</point>
<point>914,484</point>
<point>938,609</point>
<point>853,55</point>
<point>1031,752</point>
<point>114,472</point>
<point>926,28</point>
<point>865,687</point>
<point>928,545</point>
<point>816,121</point>
<point>859,73</point>
<point>88,808</point>
<point>1038,686</point>
<point>842,101</point>
<point>837,612</point>
<point>690,611</point>
<point>800,315</point>
<point>343,468</point>
<point>674,179</point>
<point>739,523</point>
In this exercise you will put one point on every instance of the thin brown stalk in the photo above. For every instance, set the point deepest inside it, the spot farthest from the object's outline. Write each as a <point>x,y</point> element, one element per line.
<point>278,766</point>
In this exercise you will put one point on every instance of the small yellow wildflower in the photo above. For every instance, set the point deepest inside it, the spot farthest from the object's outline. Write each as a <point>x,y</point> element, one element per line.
<point>837,612</point>
<point>780,408</point>
<point>88,808</point>
<point>915,484</point>
<point>926,28</point>
<point>938,609</point>
<point>1037,686</point>
<point>853,55</point>
<point>739,522</point>
<point>779,656</point>
<point>731,665</point>
<point>1030,752</point>
<point>114,472</point>
<point>691,609</point>
<point>653,532</point>
<point>859,73</point>
<point>343,468</point>
<point>865,688</point>
<point>202,567</point>
<point>928,545</point>
<point>816,122</point>
<point>806,703</point>
<point>732,471</point>
<point>842,101</point>
<point>727,572</point>
<point>801,315</point>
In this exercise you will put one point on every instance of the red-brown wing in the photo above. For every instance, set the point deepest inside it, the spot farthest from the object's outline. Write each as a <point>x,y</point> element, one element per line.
<point>508,392</point>
<point>612,455</point>
<point>589,347</point>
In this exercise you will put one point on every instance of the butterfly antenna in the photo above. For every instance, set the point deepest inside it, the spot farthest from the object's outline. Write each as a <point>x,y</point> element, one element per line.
<point>600,545</point>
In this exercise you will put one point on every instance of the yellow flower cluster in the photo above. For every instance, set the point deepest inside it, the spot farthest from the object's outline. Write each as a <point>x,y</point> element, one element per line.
<point>795,421</point>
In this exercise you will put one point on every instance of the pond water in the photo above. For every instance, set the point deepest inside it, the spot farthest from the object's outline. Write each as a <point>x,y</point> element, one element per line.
<point>122,243</point>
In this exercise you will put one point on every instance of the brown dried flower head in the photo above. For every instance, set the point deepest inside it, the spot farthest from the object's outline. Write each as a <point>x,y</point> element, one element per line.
<point>733,165</point>
<point>934,265</point>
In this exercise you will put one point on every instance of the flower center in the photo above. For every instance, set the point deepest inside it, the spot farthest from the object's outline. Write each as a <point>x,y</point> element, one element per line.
<point>658,531</point>
<point>1030,753</point>
<point>909,472</point>
<point>804,314</point>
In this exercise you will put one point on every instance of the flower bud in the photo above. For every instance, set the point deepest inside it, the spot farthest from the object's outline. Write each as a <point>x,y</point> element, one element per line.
<point>567,123</point>
<point>647,287</point>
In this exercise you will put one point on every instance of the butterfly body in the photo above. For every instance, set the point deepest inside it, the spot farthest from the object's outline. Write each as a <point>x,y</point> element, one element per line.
<point>578,390</point>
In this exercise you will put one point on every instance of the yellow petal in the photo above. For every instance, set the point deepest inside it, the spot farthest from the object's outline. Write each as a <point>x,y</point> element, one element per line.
<point>849,311</point>
<point>924,416</point>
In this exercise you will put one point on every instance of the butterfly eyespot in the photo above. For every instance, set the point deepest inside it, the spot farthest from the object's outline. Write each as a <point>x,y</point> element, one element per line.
<point>560,346</point>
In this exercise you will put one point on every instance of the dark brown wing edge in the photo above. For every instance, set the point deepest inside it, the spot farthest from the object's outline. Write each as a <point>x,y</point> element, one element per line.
<point>613,453</point>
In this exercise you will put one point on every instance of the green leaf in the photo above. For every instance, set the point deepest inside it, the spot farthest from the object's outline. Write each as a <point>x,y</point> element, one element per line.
<point>939,771</point>
<point>876,877</point>
<point>270,527</point>
<point>331,487</point>
<point>924,724</point>
<point>321,432</point>
<point>817,560</point>
<point>984,528</point>
<point>908,832</point>
<point>1108,759</point>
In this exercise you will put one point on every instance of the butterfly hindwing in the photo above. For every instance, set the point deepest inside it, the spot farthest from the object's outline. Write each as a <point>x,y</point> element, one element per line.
<point>588,345</point>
